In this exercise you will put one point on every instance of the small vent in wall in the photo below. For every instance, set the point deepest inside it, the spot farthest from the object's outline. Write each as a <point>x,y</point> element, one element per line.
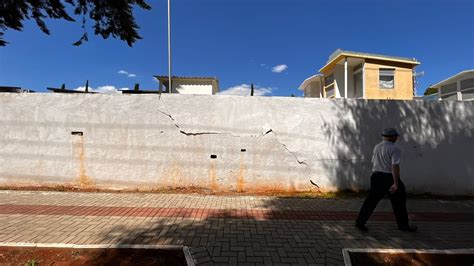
<point>213,156</point>
<point>243,150</point>
<point>77,133</point>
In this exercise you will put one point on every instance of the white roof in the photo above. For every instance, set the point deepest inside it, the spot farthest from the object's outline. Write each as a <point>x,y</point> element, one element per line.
<point>453,78</point>
<point>308,80</point>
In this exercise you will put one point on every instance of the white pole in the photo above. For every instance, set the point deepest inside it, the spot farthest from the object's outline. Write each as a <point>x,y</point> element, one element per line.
<point>363,80</point>
<point>345,77</point>
<point>458,90</point>
<point>169,47</point>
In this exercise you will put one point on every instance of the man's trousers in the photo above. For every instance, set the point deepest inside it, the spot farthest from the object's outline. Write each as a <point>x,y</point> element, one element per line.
<point>380,184</point>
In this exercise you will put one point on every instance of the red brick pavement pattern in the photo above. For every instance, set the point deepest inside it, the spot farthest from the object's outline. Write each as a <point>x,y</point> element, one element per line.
<point>257,214</point>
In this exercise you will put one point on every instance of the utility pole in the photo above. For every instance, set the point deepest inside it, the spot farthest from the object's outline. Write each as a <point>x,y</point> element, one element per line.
<point>169,47</point>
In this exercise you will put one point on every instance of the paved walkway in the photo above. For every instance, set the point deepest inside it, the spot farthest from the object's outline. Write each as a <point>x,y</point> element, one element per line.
<point>230,229</point>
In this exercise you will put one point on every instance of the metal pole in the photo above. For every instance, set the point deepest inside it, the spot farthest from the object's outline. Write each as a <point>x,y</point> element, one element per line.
<point>169,47</point>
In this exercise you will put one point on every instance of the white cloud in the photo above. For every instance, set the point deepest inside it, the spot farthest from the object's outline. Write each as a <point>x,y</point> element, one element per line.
<point>279,68</point>
<point>244,90</point>
<point>107,89</point>
<point>126,73</point>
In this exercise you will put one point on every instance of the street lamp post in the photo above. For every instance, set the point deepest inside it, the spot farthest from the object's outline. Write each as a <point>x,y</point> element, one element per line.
<point>169,47</point>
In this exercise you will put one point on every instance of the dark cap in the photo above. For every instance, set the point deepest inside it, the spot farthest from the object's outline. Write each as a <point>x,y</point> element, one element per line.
<point>390,132</point>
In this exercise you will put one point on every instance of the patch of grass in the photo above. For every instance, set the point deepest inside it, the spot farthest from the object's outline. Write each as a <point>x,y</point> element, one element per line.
<point>31,262</point>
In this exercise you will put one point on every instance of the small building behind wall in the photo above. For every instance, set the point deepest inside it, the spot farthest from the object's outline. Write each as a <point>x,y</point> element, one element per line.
<point>359,75</point>
<point>458,87</point>
<point>189,85</point>
<point>9,89</point>
<point>313,86</point>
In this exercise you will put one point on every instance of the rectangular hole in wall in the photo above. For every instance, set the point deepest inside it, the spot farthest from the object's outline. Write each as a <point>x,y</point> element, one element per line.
<point>213,156</point>
<point>77,133</point>
<point>243,150</point>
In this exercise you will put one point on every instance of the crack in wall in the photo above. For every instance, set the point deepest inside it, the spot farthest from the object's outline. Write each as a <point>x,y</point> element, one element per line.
<point>175,123</point>
<point>205,133</point>
<point>301,162</point>
<point>268,132</point>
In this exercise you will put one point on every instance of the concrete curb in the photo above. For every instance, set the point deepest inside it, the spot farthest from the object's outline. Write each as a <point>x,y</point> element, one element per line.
<point>185,249</point>
<point>188,256</point>
<point>347,259</point>
<point>62,245</point>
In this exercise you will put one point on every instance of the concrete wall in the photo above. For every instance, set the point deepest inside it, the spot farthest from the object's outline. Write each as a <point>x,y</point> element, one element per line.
<point>262,144</point>
<point>403,88</point>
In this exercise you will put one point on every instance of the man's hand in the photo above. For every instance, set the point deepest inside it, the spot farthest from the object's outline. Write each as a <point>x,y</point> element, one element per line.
<point>393,188</point>
<point>396,177</point>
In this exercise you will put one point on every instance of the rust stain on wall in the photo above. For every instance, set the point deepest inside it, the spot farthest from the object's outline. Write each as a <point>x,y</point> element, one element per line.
<point>241,175</point>
<point>213,176</point>
<point>292,188</point>
<point>163,178</point>
<point>84,179</point>
<point>175,174</point>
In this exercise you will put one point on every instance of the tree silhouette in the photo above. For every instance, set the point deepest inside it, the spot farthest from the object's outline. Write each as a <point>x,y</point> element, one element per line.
<point>112,17</point>
<point>430,91</point>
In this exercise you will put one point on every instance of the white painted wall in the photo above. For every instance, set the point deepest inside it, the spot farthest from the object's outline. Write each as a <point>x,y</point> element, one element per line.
<point>141,141</point>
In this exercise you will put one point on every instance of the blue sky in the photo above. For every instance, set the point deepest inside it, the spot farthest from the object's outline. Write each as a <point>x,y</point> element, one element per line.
<point>241,41</point>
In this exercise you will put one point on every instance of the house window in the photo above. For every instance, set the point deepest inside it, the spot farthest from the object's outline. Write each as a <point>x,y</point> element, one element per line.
<point>386,78</point>
<point>451,96</point>
<point>330,92</point>
<point>467,84</point>
<point>468,95</point>
<point>328,80</point>
<point>467,89</point>
<point>449,88</point>
<point>449,91</point>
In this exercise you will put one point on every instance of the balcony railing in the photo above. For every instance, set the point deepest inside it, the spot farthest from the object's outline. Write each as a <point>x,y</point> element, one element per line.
<point>330,91</point>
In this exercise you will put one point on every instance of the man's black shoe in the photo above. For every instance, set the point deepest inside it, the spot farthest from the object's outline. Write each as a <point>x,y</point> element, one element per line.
<point>361,227</point>
<point>408,229</point>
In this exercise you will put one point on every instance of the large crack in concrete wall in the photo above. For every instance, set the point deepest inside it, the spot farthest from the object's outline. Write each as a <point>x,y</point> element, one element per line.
<point>175,123</point>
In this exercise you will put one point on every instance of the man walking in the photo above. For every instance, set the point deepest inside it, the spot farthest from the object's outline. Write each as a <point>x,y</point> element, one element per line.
<point>385,179</point>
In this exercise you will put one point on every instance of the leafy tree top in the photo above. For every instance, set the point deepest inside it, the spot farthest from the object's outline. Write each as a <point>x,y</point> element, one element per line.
<point>112,17</point>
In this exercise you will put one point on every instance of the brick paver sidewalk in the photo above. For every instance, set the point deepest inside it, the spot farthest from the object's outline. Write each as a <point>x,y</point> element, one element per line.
<point>230,229</point>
